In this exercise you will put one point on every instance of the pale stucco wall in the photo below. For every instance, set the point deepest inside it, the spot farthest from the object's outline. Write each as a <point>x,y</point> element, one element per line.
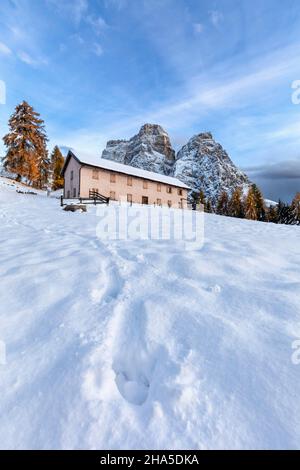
<point>83,181</point>
<point>105,186</point>
<point>71,185</point>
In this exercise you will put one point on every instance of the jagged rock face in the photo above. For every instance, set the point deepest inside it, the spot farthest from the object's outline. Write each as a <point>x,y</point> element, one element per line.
<point>203,164</point>
<point>150,149</point>
<point>115,150</point>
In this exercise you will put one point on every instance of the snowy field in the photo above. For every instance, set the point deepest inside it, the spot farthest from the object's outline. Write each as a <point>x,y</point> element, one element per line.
<point>142,344</point>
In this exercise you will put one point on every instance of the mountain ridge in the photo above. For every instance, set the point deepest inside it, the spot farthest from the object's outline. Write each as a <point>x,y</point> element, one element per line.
<point>201,163</point>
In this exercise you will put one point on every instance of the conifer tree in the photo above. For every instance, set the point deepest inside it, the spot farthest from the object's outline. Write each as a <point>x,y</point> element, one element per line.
<point>222,204</point>
<point>280,207</point>
<point>27,154</point>
<point>285,214</point>
<point>272,214</point>
<point>235,206</point>
<point>194,199</point>
<point>208,207</point>
<point>201,198</point>
<point>250,205</point>
<point>295,207</point>
<point>205,202</point>
<point>260,203</point>
<point>281,212</point>
<point>57,163</point>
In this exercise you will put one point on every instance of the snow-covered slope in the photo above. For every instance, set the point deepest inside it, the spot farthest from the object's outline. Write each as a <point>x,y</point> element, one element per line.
<point>150,150</point>
<point>203,164</point>
<point>141,344</point>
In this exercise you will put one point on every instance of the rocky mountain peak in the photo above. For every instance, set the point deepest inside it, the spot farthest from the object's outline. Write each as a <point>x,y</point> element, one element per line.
<point>203,164</point>
<point>203,136</point>
<point>150,149</point>
<point>152,129</point>
<point>111,143</point>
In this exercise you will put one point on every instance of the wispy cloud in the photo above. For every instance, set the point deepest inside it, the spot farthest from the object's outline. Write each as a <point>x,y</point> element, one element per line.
<point>198,28</point>
<point>118,4</point>
<point>216,17</point>
<point>289,131</point>
<point>26,58</point>
<point>98,50</point>
<point>4,49</point>
<point>29,60</point>
<point>237,91</point>
<point>76,9</point>
<point>98,24</point>
<point>234,92</point>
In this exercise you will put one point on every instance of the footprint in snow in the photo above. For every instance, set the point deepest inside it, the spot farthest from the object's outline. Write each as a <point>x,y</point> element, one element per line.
<point>134,391</point>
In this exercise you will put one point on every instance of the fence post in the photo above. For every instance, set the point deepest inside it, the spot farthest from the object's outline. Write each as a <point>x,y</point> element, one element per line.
<point>61,200</point>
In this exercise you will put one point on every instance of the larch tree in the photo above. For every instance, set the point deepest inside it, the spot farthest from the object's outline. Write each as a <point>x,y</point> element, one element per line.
<point>296,209</point>
<point>235,206</point>
<point>272,214</point>
<point>57,163</point>
<point>260,203</point>
<point>27,154</point>
<point>250,205</point>
<point>222,204</point>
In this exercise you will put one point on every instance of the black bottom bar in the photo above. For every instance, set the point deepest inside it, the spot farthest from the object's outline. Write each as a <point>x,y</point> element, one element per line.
<point>132,459</point>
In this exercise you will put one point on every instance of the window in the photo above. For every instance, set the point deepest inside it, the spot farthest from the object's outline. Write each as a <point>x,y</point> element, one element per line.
<point>112,178</point>
<point>145,184</point>
<point>158,202</point>
<point>72,175</point>
<point>112,195</point>
<point>169,203</point>
<point>180,205</point>
<point>129,198</point>
<point>179,192</point>
<point>159,187</point>
<point>144,200</point>
<point>74,192</point>
<point>129,180</point>
<point>169,189</point>
<point>95,175</point>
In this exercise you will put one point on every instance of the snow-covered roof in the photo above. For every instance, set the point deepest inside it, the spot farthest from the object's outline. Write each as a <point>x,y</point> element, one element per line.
<point>127,169</point>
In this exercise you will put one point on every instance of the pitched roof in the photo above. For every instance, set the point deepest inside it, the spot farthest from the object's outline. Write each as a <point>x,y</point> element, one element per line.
<point>99,162</point>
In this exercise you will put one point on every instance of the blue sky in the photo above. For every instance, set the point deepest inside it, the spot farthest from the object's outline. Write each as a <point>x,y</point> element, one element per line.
<point>99,69</point>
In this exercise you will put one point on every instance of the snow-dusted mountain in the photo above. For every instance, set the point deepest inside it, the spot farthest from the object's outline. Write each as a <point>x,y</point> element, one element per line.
<point>203,164</point>
<point>150,149</point>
